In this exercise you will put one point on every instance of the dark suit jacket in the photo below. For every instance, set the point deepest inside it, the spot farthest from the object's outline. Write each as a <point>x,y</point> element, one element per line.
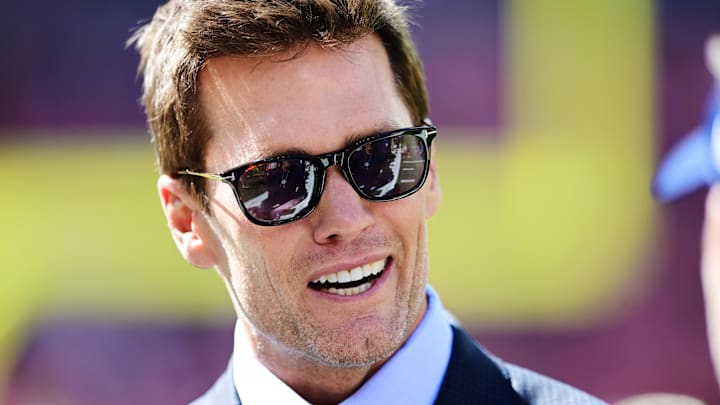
<point>473,376</point>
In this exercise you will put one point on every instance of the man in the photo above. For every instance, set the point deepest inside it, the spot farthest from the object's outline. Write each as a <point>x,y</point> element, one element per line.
<point>331,294</point>
<point>690,165</point>
<point>711,229</point>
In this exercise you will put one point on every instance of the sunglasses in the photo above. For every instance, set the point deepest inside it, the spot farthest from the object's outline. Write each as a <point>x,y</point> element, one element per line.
<point>282,189</point>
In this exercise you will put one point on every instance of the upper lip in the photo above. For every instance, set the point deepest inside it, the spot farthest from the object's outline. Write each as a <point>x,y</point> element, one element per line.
<point>334,268</point>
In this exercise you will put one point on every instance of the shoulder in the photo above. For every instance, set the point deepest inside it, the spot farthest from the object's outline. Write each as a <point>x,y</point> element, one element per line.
<point>539,389</point>
<point>508,380</point>
<point>222,392</point>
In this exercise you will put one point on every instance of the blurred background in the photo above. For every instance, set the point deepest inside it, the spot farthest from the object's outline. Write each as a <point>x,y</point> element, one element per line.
<point>548,245</point>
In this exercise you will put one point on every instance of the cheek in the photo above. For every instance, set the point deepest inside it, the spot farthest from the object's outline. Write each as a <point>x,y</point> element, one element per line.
<point>409,213</point>
<point>236,244</point>
<point>262,257</point>
<point>406,220</point>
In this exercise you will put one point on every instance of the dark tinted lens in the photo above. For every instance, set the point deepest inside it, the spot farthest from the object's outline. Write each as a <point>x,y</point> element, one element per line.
<point>389,167</point>
<point>277,190</point>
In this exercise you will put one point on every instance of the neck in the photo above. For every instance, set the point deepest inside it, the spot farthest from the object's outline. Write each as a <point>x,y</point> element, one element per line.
<point>316,382</point>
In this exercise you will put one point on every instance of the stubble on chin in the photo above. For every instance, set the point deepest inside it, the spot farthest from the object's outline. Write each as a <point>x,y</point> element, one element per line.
<point>338,349</point>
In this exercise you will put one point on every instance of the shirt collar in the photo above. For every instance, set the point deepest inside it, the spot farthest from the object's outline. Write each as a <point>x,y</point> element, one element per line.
<point>424,357</point>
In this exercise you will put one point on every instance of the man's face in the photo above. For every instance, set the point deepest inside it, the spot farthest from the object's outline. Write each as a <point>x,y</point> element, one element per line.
<point>316,103</point>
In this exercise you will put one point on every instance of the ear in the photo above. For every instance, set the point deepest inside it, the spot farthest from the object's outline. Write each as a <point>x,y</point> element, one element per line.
<point>187,222</point>
<point>433,187</point>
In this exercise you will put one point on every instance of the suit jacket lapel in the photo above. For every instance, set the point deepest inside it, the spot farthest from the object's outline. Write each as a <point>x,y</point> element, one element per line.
<point>473,378</point>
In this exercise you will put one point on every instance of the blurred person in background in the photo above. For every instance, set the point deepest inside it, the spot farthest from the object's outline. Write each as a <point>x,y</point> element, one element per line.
<point>692,164</point>
<point>331,295</point>
<point>711,229</point>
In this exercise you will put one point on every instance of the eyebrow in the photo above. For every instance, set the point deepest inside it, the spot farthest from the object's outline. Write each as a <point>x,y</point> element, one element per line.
<point>382,127</point>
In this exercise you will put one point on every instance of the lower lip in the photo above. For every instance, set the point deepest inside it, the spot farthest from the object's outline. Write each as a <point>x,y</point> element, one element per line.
<point>374,287</point>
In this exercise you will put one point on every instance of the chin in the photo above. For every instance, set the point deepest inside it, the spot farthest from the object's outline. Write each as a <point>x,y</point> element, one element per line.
<point>358,347</point>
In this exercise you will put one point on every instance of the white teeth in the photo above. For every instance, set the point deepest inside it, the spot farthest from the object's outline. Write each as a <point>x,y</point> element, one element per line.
<point>343,277</point>
<point>350,291</point>
<point>354,274</point>
<point>366,270</point>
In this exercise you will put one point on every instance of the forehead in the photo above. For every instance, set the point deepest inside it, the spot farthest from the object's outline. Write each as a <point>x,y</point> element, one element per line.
<point>259,107</point>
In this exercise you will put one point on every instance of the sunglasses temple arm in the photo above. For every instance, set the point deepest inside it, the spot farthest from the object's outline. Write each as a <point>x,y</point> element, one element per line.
<point>210,176</point>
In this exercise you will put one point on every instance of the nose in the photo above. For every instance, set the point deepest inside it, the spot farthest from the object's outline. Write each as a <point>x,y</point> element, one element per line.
<point>342,214</point>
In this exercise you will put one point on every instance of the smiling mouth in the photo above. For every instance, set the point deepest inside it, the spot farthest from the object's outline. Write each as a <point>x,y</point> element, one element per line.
<point>350,282</point>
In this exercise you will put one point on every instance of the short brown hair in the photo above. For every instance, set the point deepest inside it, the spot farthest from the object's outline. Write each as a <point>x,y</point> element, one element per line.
<point>184,34</point>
